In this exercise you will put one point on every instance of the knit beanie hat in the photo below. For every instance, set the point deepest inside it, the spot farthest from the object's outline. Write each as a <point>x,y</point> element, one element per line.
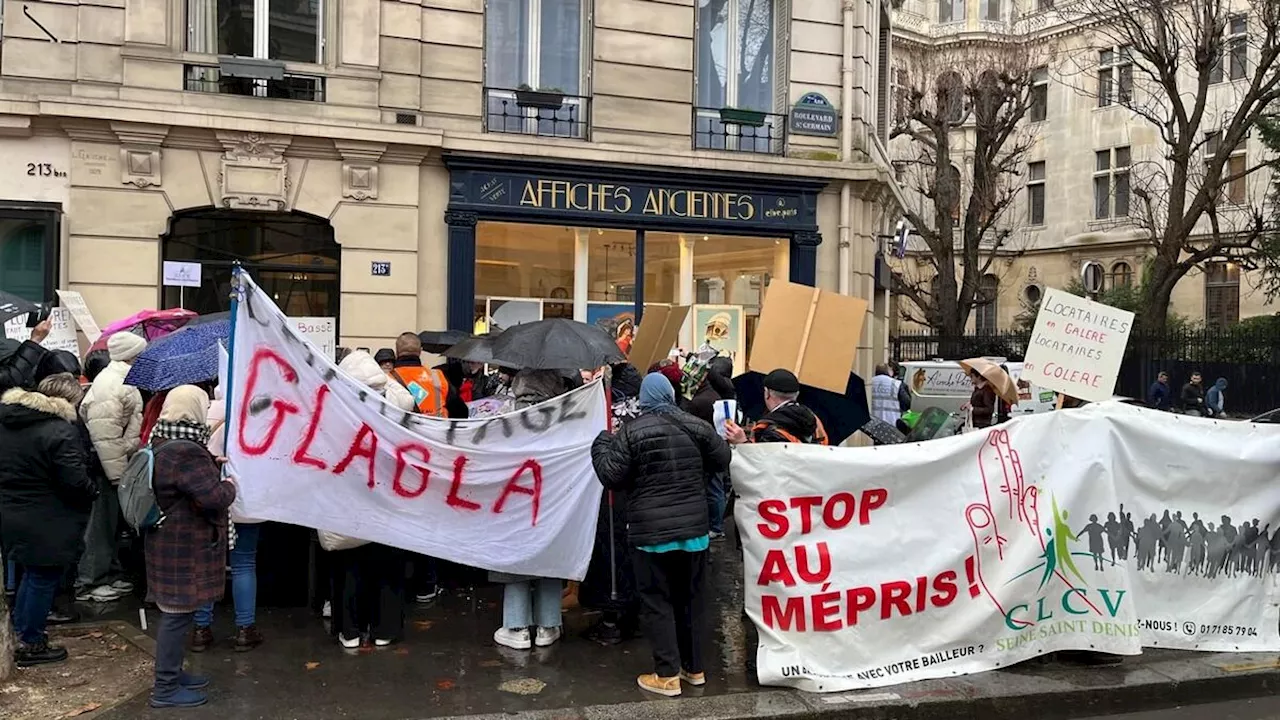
<point>125,346</point>
<point>186,403</point>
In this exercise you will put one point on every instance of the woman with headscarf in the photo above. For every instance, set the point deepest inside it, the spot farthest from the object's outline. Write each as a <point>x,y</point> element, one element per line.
<point>187,553</point>
<point>45,497</point>
<point>661,460</point>
<point>369,579</point>
<point>530,605</point>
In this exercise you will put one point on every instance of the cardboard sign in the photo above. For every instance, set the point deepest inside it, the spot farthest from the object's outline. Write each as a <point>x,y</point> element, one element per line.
<point>657,334</point>
<point>62,333</point>
<point>320,331</point>
<point>75,304</point>
<point>1076,346</point>
<point>811,332</point>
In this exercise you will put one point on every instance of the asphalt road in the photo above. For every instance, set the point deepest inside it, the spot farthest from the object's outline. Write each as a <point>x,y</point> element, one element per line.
<point>1265,708</point>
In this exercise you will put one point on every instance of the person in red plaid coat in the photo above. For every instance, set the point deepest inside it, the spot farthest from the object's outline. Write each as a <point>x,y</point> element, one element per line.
<point>187,554</point>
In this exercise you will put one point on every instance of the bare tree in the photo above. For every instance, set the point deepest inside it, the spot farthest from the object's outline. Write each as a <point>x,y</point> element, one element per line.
<point>1201,74</point>
<point>962,110</point>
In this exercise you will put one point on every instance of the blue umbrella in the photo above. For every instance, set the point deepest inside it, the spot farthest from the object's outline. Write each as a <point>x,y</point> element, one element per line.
<point>841,415</point>
<point>185,357</point>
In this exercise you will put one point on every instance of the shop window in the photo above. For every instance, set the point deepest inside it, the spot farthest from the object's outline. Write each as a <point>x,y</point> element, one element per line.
<point>1035,192</point>
<point>1111,183</point>
<point>1221,294</point>
<point>1121,276</point>
<point>723,276</point>
<point>1115,77</point>
<point>986,316</point>
<point>28,253</point>
<point>535,71</point>
<point>293,257</point>
<point>525,272</point>
<point>740,80</point>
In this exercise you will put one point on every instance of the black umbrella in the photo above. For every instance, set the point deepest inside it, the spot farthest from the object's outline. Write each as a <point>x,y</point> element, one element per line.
<point>556,344</point>
<point>841,415</point>
<point>11,306</point>
<point>437,341</point>
<point>477,349</point>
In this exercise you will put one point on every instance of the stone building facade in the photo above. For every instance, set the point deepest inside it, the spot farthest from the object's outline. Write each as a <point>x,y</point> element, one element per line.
<point>1070,212</point>
<point>416,164</point>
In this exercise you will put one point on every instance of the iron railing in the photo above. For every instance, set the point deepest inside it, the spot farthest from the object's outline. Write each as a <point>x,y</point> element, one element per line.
<point>209,79</point>
<point>1248,356</point>
<point>529,112</point>
<point>739,130</point>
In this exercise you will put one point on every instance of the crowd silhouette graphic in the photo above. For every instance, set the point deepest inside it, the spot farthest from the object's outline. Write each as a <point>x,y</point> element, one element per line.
<point>1173,545</point>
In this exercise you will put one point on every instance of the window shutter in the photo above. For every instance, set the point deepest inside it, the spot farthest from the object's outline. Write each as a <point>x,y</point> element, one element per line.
<point>781,56</point>
<point>882,79</point>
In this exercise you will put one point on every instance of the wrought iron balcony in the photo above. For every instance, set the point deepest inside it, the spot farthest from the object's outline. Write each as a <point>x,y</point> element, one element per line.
<point>739,130</point>
<point>206,78</point>
<point>537,112</point>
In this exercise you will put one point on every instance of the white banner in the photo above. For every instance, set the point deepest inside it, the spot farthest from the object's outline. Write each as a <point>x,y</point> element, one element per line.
<point>314,447</point>
<point>1108,528</point>
<point>62,333</point>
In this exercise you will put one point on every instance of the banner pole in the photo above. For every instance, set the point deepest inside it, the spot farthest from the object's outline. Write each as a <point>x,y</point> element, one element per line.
<point>237,288</point>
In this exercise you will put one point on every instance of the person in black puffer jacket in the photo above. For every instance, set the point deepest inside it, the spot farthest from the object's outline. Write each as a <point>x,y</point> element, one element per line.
<point>662,459</point>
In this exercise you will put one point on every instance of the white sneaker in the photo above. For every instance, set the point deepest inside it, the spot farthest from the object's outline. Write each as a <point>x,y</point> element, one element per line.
<point>349,643</point>
<point>123,586</point>
<point>547,636</point>
<point>327,610</point>
<point>102,593</point>
<point>514,638</point>
<point>380,642</point>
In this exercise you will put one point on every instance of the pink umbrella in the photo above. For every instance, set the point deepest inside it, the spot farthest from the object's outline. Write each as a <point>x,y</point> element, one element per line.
<point>148,324</point>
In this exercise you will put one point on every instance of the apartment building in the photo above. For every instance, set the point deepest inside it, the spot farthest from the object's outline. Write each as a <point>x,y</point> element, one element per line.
<point>1078,204</point>
<point>419,164</point>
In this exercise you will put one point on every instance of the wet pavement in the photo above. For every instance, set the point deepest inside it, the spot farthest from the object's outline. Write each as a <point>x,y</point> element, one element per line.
<point>447,665</point>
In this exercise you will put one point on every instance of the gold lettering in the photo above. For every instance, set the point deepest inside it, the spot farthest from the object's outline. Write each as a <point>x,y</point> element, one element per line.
<point>673,203</point>
<point>652,205</point>
<point>530,197</point>
<point>622,199</point>
<point>572,197</point>
<point>746,208</point>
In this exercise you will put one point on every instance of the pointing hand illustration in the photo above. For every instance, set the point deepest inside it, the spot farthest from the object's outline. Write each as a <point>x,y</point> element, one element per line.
<point>1008,512</point>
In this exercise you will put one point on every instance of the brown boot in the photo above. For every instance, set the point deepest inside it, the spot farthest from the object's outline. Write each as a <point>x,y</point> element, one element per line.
<point>201,639</point>
<point>247,638</point>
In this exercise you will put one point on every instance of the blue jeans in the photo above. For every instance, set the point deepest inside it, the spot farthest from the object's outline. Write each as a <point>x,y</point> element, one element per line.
<point>530,603</point>
<point>244,578</point>
<point>31,607</point>
<point>717,495</point>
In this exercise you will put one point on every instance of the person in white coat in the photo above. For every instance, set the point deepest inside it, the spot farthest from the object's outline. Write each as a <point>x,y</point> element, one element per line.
<point>112,412</point>
<point>369,579</point>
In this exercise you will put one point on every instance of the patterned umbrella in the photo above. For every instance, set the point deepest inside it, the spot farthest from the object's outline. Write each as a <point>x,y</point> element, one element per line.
<point>184,357</point>
<point>148,324</point>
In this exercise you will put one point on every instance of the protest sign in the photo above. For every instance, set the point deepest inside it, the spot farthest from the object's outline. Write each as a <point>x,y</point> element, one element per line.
<point>62,333</point>
<point>79,309</point>
<point>811,332</point>
<point>314,447</point>
<point>657,334</point>
<point>1084,530</point>
<point>321,331</point>
<point>1076,346</point>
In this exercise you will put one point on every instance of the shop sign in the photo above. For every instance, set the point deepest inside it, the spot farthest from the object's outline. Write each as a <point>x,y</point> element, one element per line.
<point>609,200</point>
<point>380,268</point>
<point>814,115</point>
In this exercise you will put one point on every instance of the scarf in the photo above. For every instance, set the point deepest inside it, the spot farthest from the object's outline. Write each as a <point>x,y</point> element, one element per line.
<point>657,395</point>
<point>196,433</point>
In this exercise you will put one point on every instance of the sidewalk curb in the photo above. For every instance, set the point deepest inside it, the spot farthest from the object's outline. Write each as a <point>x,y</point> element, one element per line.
<point>999,695</point>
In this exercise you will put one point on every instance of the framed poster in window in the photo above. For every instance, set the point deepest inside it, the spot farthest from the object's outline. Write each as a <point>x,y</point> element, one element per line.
<point>722,327</point>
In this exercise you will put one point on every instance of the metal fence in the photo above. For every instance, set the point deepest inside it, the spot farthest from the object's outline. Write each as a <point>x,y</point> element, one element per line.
<point>1249,359</point>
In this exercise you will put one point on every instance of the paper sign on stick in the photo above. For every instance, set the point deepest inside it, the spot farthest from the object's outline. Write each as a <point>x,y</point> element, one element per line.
<point>1076,346</point>
<point>811,332</point>
<point>657,334</point>
<point>75,304</point>
<point>62,333</point>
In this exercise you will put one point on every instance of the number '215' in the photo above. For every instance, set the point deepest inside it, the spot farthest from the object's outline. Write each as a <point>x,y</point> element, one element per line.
<point>43,170</point>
